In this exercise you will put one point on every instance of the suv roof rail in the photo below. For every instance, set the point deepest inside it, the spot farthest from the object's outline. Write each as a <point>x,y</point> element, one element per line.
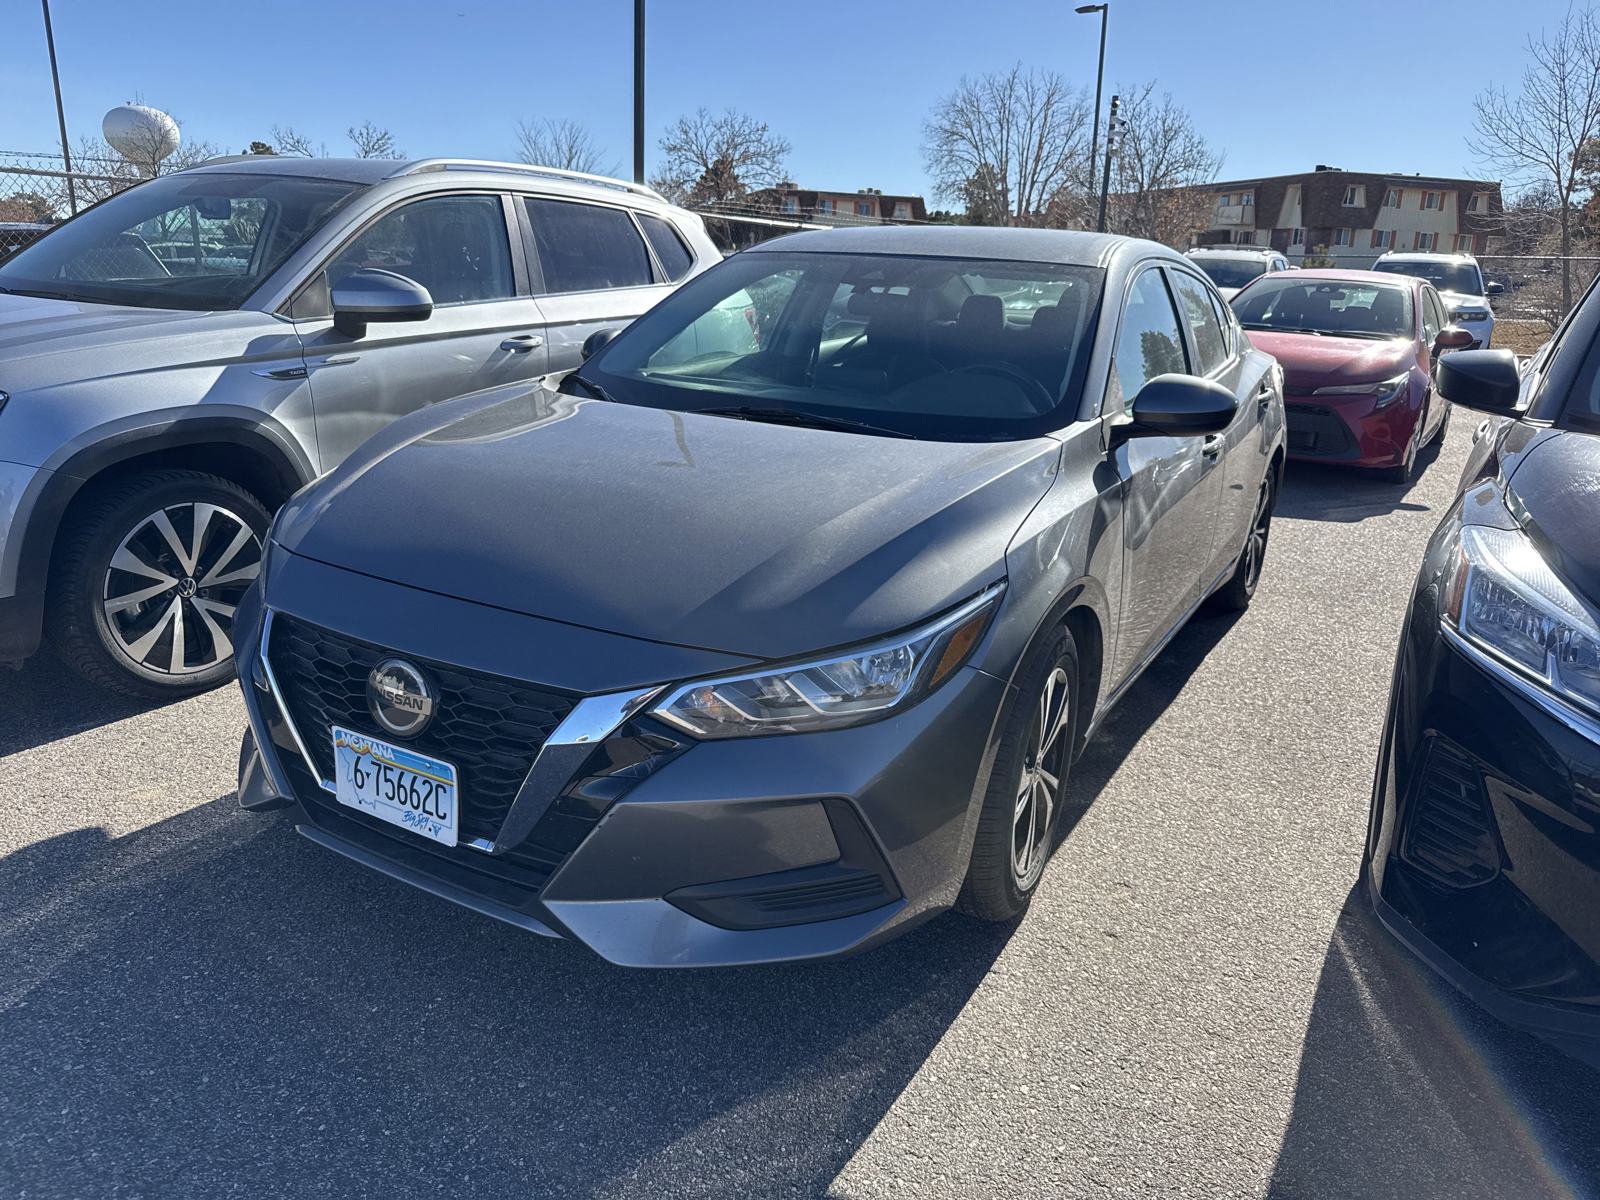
<point>486,164</point>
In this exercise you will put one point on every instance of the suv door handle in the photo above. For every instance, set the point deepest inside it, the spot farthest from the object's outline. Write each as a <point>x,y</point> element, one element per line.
<point>522,343</point>
<point>1213,444</point>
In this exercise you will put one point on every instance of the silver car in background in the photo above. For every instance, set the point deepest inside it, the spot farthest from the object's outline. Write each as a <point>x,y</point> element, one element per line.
<point>177,360</point>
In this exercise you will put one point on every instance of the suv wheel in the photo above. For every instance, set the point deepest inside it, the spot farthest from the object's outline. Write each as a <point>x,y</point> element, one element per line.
<point>1022,808</point>
<point>148,579</point>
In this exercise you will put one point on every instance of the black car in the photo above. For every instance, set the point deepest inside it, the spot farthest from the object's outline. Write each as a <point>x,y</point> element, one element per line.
<point>1483,849</point>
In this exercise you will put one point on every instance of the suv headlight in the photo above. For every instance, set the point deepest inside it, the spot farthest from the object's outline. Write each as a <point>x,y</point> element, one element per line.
<point>1506,602</point>
<point>828,693</point>
<point>1384,393</point>
<point>1470,314</point>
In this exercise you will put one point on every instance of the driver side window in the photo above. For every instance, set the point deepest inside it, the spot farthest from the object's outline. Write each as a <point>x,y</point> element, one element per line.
<point>1149,342</point>
<point>455,246</point>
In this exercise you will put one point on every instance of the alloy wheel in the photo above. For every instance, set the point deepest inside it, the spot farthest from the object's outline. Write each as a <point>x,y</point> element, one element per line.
<point>1255,549</point>
<point>1039,790</point>
<point>173,585</point>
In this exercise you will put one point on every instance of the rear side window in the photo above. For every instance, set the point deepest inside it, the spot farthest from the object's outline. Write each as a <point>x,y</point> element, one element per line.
<point>586,247</point>
<point>1150,342</point>
<point>671,253</point>
<point>1202,318</point>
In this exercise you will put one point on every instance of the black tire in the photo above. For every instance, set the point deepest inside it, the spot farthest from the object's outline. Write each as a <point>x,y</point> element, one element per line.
<point>1444,421</point>
<point>76,620</point>
<point>994,890</point>
<point>1401,472</point>
<point>1236,594</point>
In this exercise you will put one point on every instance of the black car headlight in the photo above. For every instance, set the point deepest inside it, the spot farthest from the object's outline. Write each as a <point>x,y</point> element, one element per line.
<point>1470,314</point>
<point>847,688</point>
<point>1505,602</point>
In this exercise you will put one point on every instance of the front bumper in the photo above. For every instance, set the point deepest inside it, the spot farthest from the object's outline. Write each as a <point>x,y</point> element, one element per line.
<point>1350,430</point>
<point>1484,844</point>
<point>649,847</point>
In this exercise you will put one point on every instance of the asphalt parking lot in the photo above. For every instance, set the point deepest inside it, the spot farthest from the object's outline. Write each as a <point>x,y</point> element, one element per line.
<point>197,1002</point>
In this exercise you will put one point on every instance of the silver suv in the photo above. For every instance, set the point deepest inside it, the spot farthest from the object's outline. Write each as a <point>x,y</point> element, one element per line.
<point>177,360</point>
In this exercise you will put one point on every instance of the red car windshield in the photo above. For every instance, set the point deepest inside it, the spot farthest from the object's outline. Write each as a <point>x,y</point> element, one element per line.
<point>1335,308</point>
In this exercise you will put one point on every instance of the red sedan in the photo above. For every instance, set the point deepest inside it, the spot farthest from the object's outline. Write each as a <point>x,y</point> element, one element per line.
<point>1358,350</point>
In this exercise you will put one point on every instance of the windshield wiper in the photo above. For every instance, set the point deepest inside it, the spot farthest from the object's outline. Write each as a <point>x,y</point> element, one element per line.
<point>594,389</point>
<point>789,416</point>
<point>1281,328</point>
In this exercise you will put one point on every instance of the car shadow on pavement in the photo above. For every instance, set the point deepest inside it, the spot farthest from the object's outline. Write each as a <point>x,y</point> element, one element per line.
<point>1315,491</point>
<point>1406,1089</point>
<point>45,701</point>
<point>212,1005</point>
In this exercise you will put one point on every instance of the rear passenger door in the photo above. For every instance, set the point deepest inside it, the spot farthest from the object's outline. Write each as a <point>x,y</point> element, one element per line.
<point>1170,484</point>
<point>1220,352</point>
<point>592,268</point>
<point>485,328</point>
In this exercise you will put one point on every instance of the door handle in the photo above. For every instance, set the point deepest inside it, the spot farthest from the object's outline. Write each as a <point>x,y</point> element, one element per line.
<point>522,343</point>
<point>1212,446</point>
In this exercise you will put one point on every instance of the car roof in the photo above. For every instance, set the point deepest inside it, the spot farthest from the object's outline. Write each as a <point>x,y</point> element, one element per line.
<point>1424,256</point>
<point>968,241</point>
<point>1196,251</point>
<point>1347,275</point>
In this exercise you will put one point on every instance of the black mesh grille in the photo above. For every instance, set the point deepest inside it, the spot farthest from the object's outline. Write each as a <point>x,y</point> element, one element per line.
<point>1317,430</point>
<point>1449,830</point>
<point>489,727</point>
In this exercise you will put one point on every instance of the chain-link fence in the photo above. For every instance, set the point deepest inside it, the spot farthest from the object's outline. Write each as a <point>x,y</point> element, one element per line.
<point>36,192</point>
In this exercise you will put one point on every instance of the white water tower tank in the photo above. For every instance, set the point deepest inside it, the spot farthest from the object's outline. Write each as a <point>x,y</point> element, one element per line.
<point>141,134</point>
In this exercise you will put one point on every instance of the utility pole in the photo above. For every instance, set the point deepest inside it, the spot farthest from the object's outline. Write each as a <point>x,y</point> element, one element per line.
<point>1111,144</point>
<point>1099,79</point>
<point>638,91</point>
<point>61,113</point>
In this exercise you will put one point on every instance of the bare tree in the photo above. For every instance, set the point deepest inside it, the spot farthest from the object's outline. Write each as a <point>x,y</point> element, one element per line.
<point>712,158</point>
<point>1011,142</point>
<point>1160,161</point>
<point>369,141</point>
<point>291,143</point>
<point>1540,134</point>
<point>563,144</point>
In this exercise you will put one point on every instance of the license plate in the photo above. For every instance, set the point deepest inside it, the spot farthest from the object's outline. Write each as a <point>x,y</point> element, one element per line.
<point>396,785</point>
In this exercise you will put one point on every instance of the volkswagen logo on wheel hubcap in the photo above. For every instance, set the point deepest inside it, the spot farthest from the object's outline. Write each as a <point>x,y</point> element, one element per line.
<point>399,697</point>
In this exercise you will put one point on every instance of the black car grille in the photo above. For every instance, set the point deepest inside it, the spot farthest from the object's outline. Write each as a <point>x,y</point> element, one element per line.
<point>1449,834</point>
<point>1317,430</point>
<point>491,728</point>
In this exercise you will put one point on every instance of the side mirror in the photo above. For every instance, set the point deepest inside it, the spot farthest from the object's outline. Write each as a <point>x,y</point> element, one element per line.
<point>374,295</point>
<point>1452,337</point>
<point>1486,380</point>
<point>597,341</point>
<point>1494,289</point>
<point>1181,406</point>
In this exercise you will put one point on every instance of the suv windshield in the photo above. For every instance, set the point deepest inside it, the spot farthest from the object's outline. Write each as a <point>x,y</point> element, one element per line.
<point>1231,272</point>
<point>1446,276</point>
<point>1290,303</point>
<point>941,348</point>
<point>199,241</point>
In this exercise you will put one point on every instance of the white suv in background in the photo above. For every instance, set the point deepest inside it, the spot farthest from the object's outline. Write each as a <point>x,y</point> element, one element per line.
<point>1231,267</point>
<point>1460,285</point>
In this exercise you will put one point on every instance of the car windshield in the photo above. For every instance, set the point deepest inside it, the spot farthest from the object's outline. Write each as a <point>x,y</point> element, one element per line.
<point>1446,276</point>
<point>940,348</point>
<point>196,241</point>
<point>1291,303</point>
<point>1231,272</point>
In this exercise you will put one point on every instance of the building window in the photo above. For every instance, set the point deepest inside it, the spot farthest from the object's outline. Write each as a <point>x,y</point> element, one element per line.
<point>1427,241</point>
<point>1355,196</point>
<point>1383,239</point>
<point>791,204</point>
<point>1297,195</point>
<point>1463,243</point>
<point>825,206</point>
<point>1478,202</point>
<point>1392,197</point>
<point>1247,199</point>
<point>1430,199</point>
<point>1342,237</point>
<point>863,208</point>
<point>902,210</point>
<point>1297,237</point>
<point>1225,200</point>
<point>1244,237</point>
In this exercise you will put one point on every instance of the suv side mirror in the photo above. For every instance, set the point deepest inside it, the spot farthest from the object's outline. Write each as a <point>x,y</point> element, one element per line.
<point>597,342</point>
<point>1487,380</point>
<point>1181,406</point>
<point>1494,289</point>
<point>1452,337</point>
<point>371,294</point>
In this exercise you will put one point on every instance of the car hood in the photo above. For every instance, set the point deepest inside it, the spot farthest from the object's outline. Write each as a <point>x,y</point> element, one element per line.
<point>756,539</point>
<point>1311,361</point>
<point>1554,493</point>
<point>1454,300</point>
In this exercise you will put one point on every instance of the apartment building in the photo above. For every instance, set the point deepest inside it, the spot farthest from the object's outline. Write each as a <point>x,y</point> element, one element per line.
<point>866,205</point>
<point>1354,216</point>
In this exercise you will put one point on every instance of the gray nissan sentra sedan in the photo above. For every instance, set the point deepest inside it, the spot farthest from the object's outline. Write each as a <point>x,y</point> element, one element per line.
<point>776,626</point>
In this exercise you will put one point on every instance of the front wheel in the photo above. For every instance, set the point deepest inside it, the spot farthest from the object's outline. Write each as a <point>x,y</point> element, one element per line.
<point>1236,594</point>
<point>1021,809</point>
<point>148,579</point>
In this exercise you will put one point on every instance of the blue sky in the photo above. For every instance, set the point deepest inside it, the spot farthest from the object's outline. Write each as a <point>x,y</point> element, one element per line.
<point>848,82</point>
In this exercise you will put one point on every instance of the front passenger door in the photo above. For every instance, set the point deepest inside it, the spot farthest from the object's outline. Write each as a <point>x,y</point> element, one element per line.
<point>1169,490</point>
<point>485,329</point>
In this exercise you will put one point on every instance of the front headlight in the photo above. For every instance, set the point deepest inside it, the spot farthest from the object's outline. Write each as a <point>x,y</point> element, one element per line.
<point>1504,600</point>
<point>1470,314</point>
<point>846,689</point>
<point>1384,393</point>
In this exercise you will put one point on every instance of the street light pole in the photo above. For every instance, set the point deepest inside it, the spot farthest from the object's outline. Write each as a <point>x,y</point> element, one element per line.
<point>638,91</point>
<point>1105,183</point>
<point>61,113</point>
<point>1099,80</point>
